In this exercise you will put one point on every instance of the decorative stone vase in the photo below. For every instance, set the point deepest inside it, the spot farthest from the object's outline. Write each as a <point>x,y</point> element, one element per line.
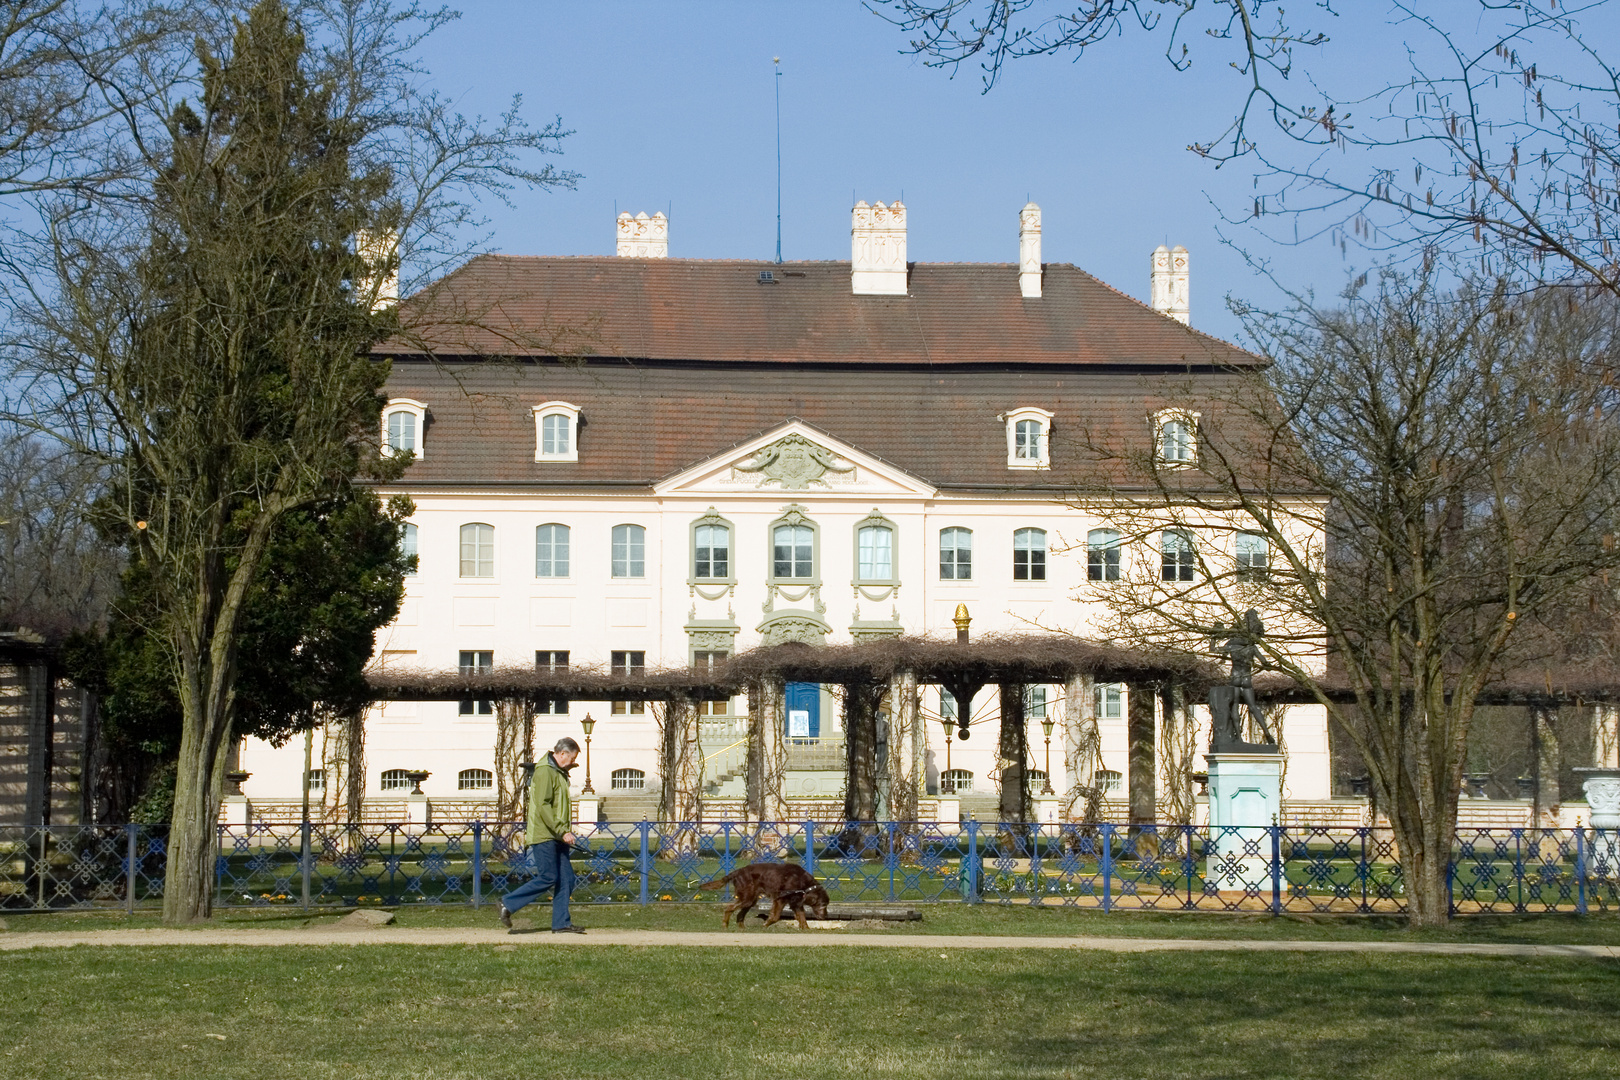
<point>1474,784</point>
<point>416,776</point>
<point>1602,787</point>
<point>234,780</point>
<point>1527,786</point>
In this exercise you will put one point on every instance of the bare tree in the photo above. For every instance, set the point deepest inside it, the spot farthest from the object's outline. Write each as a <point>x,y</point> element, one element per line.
<point>1500,141</point>
<point>1413,491</point>
<point>202,331</point>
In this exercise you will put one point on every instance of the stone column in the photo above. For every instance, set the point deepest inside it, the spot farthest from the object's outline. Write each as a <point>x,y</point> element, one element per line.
<point>1139,723</point>
<point>1546,767</point>
<point>861,703</point>
<point>1082,749</point>
<point>1012,756</point>
<point>905,747</point>
<point>767,752</point>
<point>680,798</point>
<point>1606,736</point>
<point>1176,750</point>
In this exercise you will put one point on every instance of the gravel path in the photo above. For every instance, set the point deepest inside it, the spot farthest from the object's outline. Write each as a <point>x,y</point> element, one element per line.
<point>10,942</point>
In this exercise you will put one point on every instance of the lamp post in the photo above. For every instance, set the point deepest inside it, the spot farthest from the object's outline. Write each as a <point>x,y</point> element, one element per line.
<point>1046,726</point>
<point>588,724</point>
<point>946,722</point>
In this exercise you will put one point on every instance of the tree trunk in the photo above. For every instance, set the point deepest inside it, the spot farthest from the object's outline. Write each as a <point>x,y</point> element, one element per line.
<point>861,704</point>
<point>188,880</point>
<point>1012,756</point>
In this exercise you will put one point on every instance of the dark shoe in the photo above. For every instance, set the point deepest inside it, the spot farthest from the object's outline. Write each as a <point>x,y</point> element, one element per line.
<point>569,930</point>
<point>506,917</point>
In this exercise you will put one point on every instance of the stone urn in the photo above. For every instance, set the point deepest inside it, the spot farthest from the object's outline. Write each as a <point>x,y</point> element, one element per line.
<point>235,778</point>
<point>1602,787</point>
<point>416,776</point>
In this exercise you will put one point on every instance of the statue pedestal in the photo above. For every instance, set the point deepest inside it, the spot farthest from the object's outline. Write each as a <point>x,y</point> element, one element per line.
<point>1245,799</point>
<point>237,811</point>
<point>1602,787</point>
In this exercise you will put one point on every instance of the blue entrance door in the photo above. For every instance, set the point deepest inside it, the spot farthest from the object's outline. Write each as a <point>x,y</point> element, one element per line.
<point>803,710</point>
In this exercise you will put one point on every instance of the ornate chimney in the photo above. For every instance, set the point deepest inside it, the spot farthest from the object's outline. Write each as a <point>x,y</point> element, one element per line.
<point>1029,251</point>
<point>380,250</point>
<point>643,237</point>
<point>877,242</point>
<point>1169,292</point>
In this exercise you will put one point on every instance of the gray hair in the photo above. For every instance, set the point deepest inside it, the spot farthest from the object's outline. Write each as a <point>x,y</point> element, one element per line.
<point>566,744</point>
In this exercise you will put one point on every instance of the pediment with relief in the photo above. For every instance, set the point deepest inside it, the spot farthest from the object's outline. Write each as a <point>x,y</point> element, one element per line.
<point>795,458</point>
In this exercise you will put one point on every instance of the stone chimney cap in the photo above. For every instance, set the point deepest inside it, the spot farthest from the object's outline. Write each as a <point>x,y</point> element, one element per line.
<point>643,237</point>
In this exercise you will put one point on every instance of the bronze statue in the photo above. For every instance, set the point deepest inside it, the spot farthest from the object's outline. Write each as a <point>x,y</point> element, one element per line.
<point>1241,645</point>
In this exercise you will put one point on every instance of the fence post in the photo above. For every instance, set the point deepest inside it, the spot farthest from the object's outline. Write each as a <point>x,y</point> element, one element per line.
<point>129,867</point>
<point>973,861</point>
<point>1105,863</point>
<point>219,866</point>
<point>1276,869</point>
<point>1191,866</point>
<point>1580,870</point>
<point>641,859</point>
<point>478,865</point>
<point>727,863</point>
<point>305,851</point>
<point>891,857</point>
<point>1035,864</point>
<point>1518,871</point>
<point>810,846</point>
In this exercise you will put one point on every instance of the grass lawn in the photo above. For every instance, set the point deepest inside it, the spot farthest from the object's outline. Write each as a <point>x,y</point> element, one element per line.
<point>1016,919</point>
<point>492,1012</point>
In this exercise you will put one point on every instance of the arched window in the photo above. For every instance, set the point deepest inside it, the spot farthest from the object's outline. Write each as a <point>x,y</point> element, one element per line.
<point>793,552</point>
<point>556,431</point>
<point>711,553</point>
<point>402,432</point>
<point>403,424</point>
<point>629,780</point>
<point>477,550</point>
<point>1174,435</point>
<point>395,780</point>
<point>955,782</point>
<point>1102,555</point>
<point>1027,438</point>
<point>1029,555</point>
<point>955,554</point>
<point>874,548</point>
<point>551,551</point>
<point>1253,556</point>
<point>475,780</point>
<point>1177,549</point>
<point>629,551</point>
<point>407,547</point>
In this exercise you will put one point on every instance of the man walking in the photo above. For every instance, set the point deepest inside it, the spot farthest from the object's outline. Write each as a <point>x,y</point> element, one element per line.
<point>550,816</point>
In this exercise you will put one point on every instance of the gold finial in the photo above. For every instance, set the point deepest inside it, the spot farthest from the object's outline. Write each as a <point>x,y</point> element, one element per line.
<point>961,619</point>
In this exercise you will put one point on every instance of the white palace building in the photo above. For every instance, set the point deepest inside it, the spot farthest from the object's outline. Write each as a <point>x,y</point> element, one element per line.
<point>642,462</point>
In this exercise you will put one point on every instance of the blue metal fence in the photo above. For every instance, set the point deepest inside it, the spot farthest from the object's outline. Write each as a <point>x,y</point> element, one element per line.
<point>1105,867</point>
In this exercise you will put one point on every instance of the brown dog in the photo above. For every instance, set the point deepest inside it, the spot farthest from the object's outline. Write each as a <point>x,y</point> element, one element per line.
<point>787,885</point>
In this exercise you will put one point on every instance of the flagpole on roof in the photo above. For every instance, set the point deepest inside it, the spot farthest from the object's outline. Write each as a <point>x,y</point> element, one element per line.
<point>777,60</point>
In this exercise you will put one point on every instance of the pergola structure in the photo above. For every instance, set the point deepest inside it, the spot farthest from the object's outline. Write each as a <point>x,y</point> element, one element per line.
<point>885,747</point>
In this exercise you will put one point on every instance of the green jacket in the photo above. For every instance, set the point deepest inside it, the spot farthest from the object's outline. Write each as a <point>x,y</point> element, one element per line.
<point>550,812</point>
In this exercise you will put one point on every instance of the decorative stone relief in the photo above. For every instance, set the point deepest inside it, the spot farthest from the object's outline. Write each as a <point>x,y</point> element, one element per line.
<point>791,626</point>
<point>711,638</point>
<point>795,463</point>
<point>643,237</point>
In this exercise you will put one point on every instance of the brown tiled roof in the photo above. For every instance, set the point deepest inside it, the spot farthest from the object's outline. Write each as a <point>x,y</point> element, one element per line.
<point>644,421</point>
<point>715,311</point>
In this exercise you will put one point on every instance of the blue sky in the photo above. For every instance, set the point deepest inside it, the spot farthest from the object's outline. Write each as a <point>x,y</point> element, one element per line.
<point>672,109</point>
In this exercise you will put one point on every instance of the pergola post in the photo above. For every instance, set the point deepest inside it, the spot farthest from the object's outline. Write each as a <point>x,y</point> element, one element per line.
<point>767,752</point>
<point>1012,755</point>
<point>1606,736</point>
<point>861,703</point>
<point>1082,748</point>
<point>680,798</point>
<point>905,747</point>
<point>1176,747</point>
<point>1139,723</point>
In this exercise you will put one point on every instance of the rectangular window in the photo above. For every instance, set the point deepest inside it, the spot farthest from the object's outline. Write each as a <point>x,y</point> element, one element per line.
<point>793,552</point>
<point>476,663</point>
<point>556,662</point>
<point>551,551</point>
<point>955,554</point>
<point>1027,440</point>
<point>711,556</point>
<point>706,660</point>
<point>627,662</point>
<point>1178,562</point>
<point>407,547</point>
<point>1035,702</point>
<point>1029,555</point>
<point>876,553</point>
<point>317,779</point>
<point>1107,702</point>
<point>402,431</point>
<point>1253,556</point>
<point>477,551</point>
<point>629,551</point>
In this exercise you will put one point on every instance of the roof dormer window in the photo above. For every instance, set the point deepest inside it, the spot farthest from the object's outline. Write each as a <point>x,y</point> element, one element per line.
<point>1029,435</point>
<point>1175,436</point>
<point>556,431</point>
<point>403,424</point>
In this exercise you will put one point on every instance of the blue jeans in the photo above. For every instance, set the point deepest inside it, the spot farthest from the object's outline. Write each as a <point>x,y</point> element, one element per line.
<point>551,871</point>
